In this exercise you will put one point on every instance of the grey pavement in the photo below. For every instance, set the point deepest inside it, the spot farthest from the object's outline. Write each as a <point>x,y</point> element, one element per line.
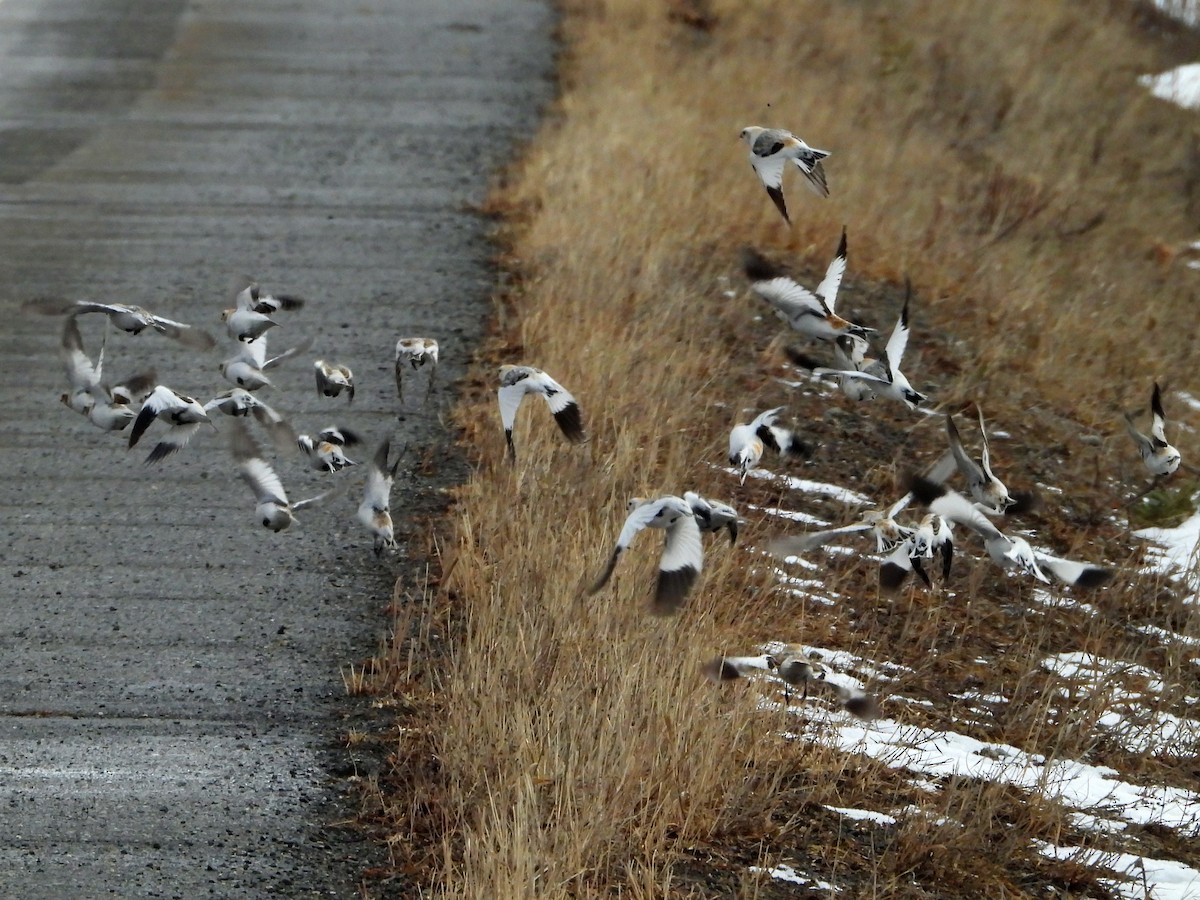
<point>170,690</point>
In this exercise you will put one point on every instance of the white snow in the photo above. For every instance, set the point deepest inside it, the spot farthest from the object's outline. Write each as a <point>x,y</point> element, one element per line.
<point>868,815</point>
<point>1176,550</point>
<point>784,872</point>
<point>1158,879</point>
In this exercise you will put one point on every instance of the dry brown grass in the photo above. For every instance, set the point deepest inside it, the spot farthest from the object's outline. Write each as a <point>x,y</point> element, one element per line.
<point>1003,157</point>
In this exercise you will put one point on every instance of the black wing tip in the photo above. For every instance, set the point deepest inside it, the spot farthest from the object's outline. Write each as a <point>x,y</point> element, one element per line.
<point>570,423</point>
<point>892,576</point>
<point>1023,502</point>
<point>799,358</point>
<point>1093,576</point>
<point>672,589</point>
<point>776,195</point>
<point>816,175</point>
<point>1156,402</point>
<point>160,452</point>
<point>720,669</point>
<point>864,706</point>
<point>841,250</point>
<point>758,267</point>
<point>289,301</point>
<point>797,447</point>
<point>600,582</point>
<point>925,491</point>
<point>732,528</point>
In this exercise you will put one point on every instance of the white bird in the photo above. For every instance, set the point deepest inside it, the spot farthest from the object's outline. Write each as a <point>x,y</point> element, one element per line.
<point>243,321</point>
<point>374,511</point>
<point>518,381</point>
<point>272,508</point>
<point>982,484</point>
<point>240,402</point>
<point>184,414</point>
<point>413,353</point>
<point>248,367</point>
<point>683,553</point>
<point>885,375</point>
<point>880,522</point>
<point>1160,457</point>
<point>333,378</point>
<point>1006,552</point>
<point>325,452</point>
<point>108,408</point>
<point>712,515</point>
<point>747,441</point>
<point>812,313</point>
<point>771,149</point>
<point>849,355</point>
<point>130,319</point>
<point>933,534</point>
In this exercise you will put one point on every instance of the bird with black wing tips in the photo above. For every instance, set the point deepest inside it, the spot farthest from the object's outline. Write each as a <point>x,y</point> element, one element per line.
<point>712,515</point>
<point>1160,458</point>
<point>272,507</point>
<point>1007,552</point>
<point>325,452</point>
<point>517,382</point>
<point>413,353</point>
<point>885,376</point>
<point>682,556</point>
<point>982,484</point>
<point>240,402</point>
<point>124,317</point>
<point>933,535</point>
<point>244,321</point>
<point>184,414</point>
<point>771,149</point>
<point>333,378</point>
<point>375,510</point>
<point>748,441</point>
<point>811,313</point>
<point>249,366</point>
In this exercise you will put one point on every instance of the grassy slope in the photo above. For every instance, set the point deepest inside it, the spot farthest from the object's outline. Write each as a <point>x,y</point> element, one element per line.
<point>1003,157</point>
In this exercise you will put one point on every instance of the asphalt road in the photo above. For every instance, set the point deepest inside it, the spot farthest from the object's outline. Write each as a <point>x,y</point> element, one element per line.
<point>170,692</point>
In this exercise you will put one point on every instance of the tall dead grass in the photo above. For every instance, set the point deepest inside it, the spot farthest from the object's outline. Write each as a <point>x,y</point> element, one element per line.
<point>999,154</point>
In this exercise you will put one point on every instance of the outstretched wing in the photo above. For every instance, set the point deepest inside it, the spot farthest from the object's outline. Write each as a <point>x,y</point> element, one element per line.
<point>682,559</point>
<point>827,290</point>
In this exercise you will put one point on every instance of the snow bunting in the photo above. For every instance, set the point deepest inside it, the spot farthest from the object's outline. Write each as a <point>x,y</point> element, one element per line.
<point>1159,456</point>
<point>240,402</point>
<point>933,534</point>
<point>413,353</point>
<point>712,515</point>
<point>808,312</point>
<point>880,522</point>
<point>1006,552</point>
<point>794,669</point>
<point>885,374</point>
<point>374,511</point>
<point>770,151</point>
<point>518,381</point>
<point>272,507</point>
<point>184,414</point>
<point>244,321</point>
<point>682,557</point>
<point>849,355</point>
<point>247,368</point>
<point>324,452</point>
<point>982,484</point>
<point>130,319</point>
<point>248,295</point>
<point>333,378</point>
<point>747,442</point>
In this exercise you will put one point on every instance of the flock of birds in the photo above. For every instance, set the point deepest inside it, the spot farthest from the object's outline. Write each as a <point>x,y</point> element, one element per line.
<point>905,547</point>
<point>142,400</point>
